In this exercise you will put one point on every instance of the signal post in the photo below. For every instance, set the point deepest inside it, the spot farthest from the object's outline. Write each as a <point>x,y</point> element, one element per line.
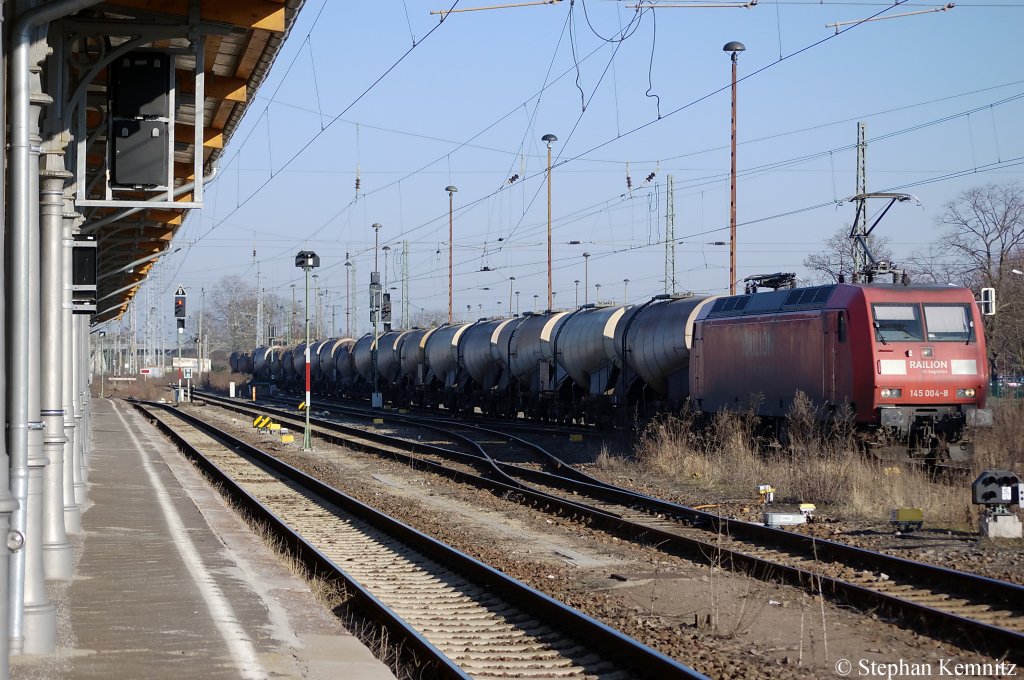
<point>179,317</point>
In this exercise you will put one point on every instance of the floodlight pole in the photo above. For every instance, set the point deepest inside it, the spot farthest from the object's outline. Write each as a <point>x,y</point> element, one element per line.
<point>735,48</point>
<point>549,139</point>
<point>451,189</point>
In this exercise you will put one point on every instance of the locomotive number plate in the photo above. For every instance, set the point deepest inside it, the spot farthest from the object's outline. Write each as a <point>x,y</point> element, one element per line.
<point>929,393</point>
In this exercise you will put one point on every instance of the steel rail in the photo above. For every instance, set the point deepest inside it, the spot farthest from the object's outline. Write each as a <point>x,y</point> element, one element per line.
<point>625,649</point>
<point>999,641</point>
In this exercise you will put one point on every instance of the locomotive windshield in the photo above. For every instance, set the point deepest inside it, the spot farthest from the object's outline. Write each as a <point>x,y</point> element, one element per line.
<point>897,323</point>
<point>948,322</point>
<point>902,323</point>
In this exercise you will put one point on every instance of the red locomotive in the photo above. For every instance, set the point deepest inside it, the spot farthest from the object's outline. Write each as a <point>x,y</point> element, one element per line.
<point>908,360</point>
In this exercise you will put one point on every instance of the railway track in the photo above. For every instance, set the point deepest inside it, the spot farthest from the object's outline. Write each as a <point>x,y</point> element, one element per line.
<point>971,610</point>
<point>467,618</point>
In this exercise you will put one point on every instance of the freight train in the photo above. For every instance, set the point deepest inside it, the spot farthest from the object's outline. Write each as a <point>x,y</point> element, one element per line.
<point>908,363</point>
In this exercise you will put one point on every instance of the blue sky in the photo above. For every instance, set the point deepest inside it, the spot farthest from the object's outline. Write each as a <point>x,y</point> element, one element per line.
<point>942,94</point>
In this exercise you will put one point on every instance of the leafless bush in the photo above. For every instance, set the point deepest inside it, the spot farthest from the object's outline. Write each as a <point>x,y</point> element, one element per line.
<point>820,463</point>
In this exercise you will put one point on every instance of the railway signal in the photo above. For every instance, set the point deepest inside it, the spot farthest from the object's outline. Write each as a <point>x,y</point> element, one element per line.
<point>179,304</point>
<point>307,260</point>
<point>997,491</point>
<point>179,318</point>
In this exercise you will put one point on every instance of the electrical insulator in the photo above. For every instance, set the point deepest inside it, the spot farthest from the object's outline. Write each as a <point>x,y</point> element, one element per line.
<point>629,182</point>
<point>513,178</point>
<point>358,182</point>
<point>649,177</point>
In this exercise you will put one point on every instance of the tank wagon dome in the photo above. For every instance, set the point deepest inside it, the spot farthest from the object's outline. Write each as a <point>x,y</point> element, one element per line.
<point>343,360</point>
<point>362,356</point>
<point>266,362</point>
<point>531,343</point>
<point>328,352</point>
<point>441,348</point>
<point>244,364</point>
<point>478,357</point>
<point>315,368</point>
<point>586,347</point>
<point>654,339</point>
<point>287,365</point>
<point>299,358</point>
<point>387,357</point>
<point>410,355</point>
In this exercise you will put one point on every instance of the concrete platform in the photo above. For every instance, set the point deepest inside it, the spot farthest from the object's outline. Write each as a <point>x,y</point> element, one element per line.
<point>169,583</point>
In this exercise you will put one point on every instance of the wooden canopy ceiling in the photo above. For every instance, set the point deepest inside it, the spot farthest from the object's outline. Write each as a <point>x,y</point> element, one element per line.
<point>242,40</point>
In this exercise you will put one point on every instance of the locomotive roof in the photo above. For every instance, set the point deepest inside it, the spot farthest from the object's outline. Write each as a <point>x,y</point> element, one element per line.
<point>806,298</point>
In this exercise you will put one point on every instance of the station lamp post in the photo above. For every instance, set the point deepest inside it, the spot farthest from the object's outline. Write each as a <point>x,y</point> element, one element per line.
<point>549,138</point>
<point>511,281</point>
<point>597,294</point>
<point>625,291</point>
<point>577,282</point>
<point>734,48</point>
<point>451,189</point>
<point>307,261</point>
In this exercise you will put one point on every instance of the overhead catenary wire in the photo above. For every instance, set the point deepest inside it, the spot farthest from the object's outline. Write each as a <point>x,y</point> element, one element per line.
<point>565,161</point>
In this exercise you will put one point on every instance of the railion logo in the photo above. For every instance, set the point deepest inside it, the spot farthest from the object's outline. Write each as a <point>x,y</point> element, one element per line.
<point>757,344</point>
<point>932,364</point>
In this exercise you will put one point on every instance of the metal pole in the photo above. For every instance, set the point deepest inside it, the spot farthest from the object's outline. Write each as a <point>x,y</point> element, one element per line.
<point>451,235</point>
<point>376,302</point>
<point>732,189</point>
<point>199,335</point>
<point>586,277</point>
<point>550,303</point>
<point>291,326</point>
<point>548,139</point>
<point>348,297</point>
<point>7,502</point>
<point>179,333</point>
<point>511,280</point>
<point>307,440</point>
<point>72,511</point>
<point>58,556</point>
<point>32,616</point>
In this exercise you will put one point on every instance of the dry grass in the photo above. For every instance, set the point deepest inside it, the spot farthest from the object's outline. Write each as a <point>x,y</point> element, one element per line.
<point>155,388</point>
<point>820,463</point>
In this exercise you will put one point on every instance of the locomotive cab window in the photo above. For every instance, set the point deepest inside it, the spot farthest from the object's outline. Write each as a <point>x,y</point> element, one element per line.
<point>897,323</point>
<point>949,323</point>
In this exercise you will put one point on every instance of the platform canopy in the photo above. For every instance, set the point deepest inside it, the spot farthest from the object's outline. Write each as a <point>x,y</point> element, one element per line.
<point>240,39</point>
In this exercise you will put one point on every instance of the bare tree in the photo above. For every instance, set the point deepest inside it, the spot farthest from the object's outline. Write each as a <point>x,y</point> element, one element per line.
<point>428,318</point>
<point>985,231</point>
<point>985,237</point>
<point>837,256</point>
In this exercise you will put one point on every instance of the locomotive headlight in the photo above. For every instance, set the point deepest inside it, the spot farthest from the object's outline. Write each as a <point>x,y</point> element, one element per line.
<point>967,393</point>
<point>890,393</point>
